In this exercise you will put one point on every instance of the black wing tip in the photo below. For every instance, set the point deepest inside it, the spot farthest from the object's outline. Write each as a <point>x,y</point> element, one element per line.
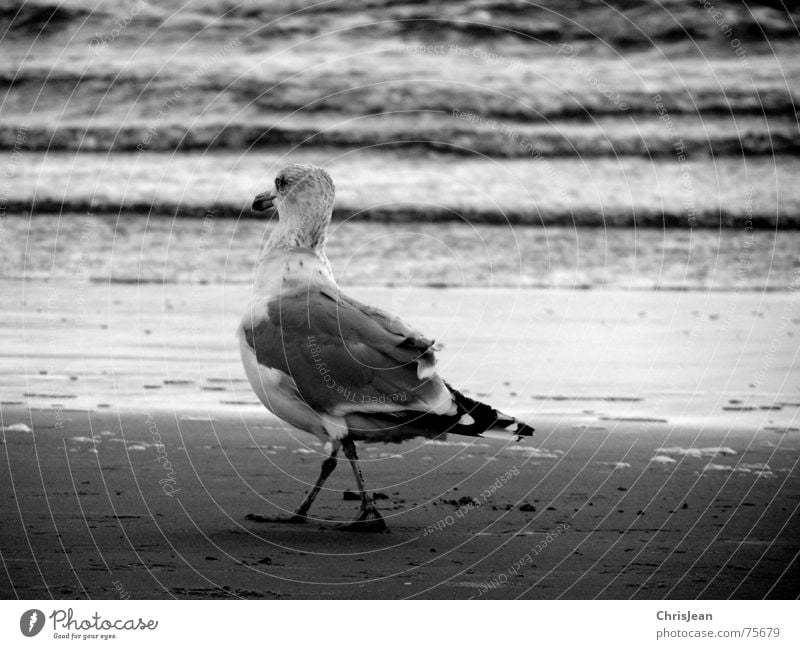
<point>523,430</point>
<point>486,418</point>
<point>516,428</point>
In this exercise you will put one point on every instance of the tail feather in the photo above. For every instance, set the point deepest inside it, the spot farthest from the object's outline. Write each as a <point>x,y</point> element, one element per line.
<point>485,418</point>
<point>472,419</point>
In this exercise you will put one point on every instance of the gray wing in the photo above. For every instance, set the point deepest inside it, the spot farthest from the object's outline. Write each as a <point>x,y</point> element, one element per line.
<point>345,356</point>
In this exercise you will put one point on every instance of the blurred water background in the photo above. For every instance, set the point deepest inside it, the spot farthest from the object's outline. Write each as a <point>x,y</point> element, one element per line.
<point>482,143</point>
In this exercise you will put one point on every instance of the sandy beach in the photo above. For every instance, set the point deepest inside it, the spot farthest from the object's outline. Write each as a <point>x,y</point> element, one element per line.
<point>133,452</point>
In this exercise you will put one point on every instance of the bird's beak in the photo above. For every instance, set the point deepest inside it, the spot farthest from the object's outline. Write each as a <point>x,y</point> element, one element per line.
<point>263,202</point>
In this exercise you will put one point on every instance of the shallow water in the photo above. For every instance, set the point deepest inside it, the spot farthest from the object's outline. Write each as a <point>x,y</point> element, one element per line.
<point>137,249</point>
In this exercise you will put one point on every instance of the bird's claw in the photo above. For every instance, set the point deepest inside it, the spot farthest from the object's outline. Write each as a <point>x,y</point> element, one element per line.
<point>368,520</point>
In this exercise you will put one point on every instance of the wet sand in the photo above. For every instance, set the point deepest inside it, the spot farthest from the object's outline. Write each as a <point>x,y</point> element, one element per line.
<point>575,514</point>
<point>665,462</point>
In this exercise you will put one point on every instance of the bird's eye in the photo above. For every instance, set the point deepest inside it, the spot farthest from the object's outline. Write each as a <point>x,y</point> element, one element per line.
<point>280,183</point>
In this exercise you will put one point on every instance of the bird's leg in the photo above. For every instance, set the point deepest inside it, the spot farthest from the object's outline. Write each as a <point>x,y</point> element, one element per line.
<point>328,465</point>
<point>369,518</point>
<point>300,516</point>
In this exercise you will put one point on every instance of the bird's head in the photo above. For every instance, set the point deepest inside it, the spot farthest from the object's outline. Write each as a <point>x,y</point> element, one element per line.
<point>302,193</point>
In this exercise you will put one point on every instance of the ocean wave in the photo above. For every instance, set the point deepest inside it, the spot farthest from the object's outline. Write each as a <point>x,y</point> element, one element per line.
<point>25,18</point>
<point>619,23</point>
<point>421,132</point>
<point>553,79</point>
<point>668,217</point>
<point>500,92</point>
<point>376,185</point>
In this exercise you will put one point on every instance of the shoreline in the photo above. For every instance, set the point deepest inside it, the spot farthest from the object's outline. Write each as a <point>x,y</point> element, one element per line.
<point>434,286</point>
<point>172,252</point>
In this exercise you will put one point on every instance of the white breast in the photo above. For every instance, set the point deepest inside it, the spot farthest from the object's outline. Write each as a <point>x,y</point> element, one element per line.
<point>283,272</point>
<point>265,381</point>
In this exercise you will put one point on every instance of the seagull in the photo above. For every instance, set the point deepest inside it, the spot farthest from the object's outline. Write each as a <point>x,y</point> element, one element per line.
<point>335,367</point>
